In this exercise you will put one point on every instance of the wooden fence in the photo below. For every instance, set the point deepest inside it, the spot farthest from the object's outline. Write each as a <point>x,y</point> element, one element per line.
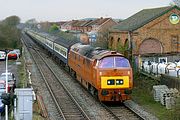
<point>171,82</point>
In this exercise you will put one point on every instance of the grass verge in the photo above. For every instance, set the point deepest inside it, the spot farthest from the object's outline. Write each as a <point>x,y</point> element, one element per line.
<point>143,95</point>
<point>22,74</point>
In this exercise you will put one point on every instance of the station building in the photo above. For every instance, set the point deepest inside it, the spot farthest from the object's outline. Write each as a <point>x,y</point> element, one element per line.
<point>151,33</point>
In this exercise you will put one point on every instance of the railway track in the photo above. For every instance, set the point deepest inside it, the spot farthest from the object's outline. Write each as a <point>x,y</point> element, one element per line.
<point>121,112</point>
<point>68,107</point>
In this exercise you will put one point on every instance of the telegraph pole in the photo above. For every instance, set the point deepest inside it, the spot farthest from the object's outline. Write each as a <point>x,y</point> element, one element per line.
<point>6,111</point>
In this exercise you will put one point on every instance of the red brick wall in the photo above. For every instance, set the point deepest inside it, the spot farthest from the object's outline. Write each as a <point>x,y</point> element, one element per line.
<point>159,29</point>
<point>150,46</point>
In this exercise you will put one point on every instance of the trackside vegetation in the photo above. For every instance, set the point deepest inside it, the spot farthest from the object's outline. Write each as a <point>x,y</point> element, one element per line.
<point>143,95</point>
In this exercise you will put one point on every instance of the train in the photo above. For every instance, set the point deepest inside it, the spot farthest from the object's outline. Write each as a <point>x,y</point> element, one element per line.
<point>106,74</point>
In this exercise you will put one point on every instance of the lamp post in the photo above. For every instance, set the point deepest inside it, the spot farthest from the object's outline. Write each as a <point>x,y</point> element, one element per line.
<point>6,85</point>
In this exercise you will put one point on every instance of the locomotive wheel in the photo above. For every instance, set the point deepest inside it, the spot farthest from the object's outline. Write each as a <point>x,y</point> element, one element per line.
<point>93,91</point>
<point>96,94</point>
<point>73,73</point>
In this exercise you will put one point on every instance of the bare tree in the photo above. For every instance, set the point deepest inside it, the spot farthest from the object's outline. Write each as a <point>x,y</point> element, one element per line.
<point>177,2</point>
<point>102,39</point>
<point>9,34</point>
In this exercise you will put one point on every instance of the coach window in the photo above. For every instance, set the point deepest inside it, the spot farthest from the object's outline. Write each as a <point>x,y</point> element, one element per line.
<point>51,45</point>
<point>56,48</point>
<point>65,54</point>
<point>61,51</point>
<point>118,40</point>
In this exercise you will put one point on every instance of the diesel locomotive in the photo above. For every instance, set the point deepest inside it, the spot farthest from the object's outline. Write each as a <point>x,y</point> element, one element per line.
<point>105,74</point>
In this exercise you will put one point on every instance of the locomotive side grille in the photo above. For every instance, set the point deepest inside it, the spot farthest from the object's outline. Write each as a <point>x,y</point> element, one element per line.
<point>115,82</point>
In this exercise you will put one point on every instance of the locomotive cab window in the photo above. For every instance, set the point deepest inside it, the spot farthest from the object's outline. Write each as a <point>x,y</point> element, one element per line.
<point>113,62</point>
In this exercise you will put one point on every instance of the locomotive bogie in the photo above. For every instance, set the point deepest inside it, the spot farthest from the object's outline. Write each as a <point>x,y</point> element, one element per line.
<point>114,95</point>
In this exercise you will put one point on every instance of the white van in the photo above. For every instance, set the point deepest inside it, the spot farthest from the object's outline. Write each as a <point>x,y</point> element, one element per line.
<point>2,55</point>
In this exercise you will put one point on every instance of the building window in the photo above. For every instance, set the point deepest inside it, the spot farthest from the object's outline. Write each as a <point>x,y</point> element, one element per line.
<point>174,43</point>
<point>118,40</point>
<point>111,41</point>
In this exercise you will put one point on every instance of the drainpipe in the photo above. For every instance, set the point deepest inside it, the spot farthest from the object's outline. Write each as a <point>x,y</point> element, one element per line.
<point>178,73</point>
<point>130,45</point>
<point>129,39</point>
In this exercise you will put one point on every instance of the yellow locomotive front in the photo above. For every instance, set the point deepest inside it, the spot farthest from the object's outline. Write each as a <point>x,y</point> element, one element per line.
<point>114,78</point>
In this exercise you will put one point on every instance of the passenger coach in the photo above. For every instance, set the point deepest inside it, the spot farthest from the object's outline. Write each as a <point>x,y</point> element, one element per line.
<point>61,49</point>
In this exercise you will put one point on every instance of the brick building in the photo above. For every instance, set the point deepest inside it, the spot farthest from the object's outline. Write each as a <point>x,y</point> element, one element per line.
<point>89,29</point>
<point>149,32</point>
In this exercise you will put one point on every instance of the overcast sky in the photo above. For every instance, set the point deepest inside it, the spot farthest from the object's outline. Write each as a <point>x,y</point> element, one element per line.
<point>58,10</point>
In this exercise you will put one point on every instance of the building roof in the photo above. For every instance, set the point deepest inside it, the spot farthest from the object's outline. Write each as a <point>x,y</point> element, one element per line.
<point>141,18</point>
<point>86,23</point>
<point>98,22</point>
<point>70,23</point>
<point>65,42</point>
<point>61,22</point>
<point>79,23</point>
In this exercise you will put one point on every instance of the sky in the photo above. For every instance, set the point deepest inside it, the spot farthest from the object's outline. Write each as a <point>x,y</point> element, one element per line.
<point>62,10</point>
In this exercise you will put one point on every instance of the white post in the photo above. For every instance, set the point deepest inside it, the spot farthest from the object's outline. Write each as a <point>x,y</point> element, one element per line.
<point>6,85</point>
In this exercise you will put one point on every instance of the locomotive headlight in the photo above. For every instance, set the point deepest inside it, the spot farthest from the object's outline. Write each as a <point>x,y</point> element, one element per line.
<point>110,82</point>
<point>119,81</point>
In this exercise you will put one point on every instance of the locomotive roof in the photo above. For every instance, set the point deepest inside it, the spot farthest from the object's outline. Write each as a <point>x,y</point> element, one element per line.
<point>65,42</point>
<point>91,52</point>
